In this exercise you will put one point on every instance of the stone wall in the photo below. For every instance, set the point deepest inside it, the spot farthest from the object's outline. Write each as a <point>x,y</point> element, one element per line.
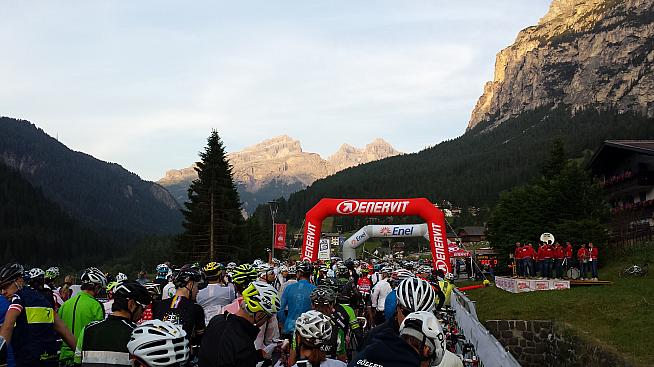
<point>545,343</point>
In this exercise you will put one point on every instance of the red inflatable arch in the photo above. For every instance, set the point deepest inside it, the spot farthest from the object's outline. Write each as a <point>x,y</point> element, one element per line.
<point>378,207</point>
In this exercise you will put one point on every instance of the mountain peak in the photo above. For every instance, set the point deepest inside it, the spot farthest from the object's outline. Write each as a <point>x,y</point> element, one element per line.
<point>582,53</point>
<point>348,156</point>
<point>280,163</point>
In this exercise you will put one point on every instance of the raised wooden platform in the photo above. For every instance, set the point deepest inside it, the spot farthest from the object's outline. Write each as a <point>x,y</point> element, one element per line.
<point>589,282</point>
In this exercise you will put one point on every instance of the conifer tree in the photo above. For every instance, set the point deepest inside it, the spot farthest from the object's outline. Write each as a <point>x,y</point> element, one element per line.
<point>213,221</point>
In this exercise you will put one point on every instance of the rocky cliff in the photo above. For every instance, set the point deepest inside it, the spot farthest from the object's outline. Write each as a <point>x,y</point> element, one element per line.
<point>582,53</point>
<point>279,166</point>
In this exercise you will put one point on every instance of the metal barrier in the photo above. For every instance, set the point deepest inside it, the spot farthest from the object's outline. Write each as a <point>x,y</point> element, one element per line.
<point>490,351</point>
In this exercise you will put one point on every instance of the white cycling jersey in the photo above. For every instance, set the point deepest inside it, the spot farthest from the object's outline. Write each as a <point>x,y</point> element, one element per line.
<point>214,297</point>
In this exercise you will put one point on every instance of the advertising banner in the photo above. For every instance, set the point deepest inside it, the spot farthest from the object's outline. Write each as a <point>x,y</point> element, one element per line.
<point>280,236</point>
<point>324,249</point>
<point>514,285</point>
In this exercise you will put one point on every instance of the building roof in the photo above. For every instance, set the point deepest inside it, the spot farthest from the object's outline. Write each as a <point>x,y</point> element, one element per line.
<point>637,146</point>
<point>473,231</point>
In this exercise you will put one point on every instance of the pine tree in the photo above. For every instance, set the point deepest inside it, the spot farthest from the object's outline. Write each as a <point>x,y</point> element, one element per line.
<point>213,221</point>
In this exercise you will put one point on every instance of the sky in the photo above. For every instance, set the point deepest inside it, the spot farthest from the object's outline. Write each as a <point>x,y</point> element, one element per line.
<point>143,83</point>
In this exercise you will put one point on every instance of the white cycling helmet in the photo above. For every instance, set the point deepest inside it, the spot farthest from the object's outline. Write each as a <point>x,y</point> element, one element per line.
<point>94,276</point>
<point>449,277</point>
<point>52,272</point>
<point>261,296</point>
<point>159,343</point>
<point>283,268</point>
<point>424,326</point>
<point>404,274</point>
<point>257,262</point>
<point>162,269</point>
<point>314,327</point>
<point>36,272</point>
<point>121,277</point>
<point>264,269</point>
<point>231,265</point>
<point>415,294</point>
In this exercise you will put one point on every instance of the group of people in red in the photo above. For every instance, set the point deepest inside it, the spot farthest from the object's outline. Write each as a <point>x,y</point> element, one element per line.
<point>553,261</point>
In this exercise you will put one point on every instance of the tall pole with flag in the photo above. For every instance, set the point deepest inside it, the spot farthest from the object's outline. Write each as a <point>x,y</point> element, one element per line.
<point>273,211</point>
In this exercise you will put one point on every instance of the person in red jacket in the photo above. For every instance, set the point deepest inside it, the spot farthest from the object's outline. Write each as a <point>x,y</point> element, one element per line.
<point>582,256</point>
<point>559,255</point>
<point>567,262</point>
<point>545,253</point>
<point>528,260</point>
<point>517,255</point>
<point>592,259</point>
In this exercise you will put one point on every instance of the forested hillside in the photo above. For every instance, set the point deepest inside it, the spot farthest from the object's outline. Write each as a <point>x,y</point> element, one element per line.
<point>35,231</point>
<point>99,194</point>
<point>474,168</point>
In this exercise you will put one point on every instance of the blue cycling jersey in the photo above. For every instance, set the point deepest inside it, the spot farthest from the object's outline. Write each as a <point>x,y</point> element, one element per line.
<point>390,305</point>
<point>297,297</point>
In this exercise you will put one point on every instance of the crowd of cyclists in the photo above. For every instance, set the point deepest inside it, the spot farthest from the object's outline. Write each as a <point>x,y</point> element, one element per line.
<point>330,314</point>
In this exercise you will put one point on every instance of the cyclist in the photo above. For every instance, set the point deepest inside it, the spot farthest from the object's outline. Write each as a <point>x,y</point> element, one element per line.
<point>229,339</point>
<point>297,297</point>
<point>105,342</point>
<point>364,286</point>
<point>281,278</point>
<point>37,282</point>
<point>313,331</point>
<point>266,273</point>
<point>51,276</point>
<point>82,309</point>
<point>323,299</point>
<point>217,294</point>
<point>391,300</point>
<point>110,295</point>
<point>379,293</point>
<point>290,278</point>
<point>243,275</point>
<point>155,294</point>
<point>182,308</point>
<point>413,294</point>
<point>447,286</point>
<point>158,343</point>
<point>162,275</point>
<point>347,293</point>
<point>34,338</point>
<point>376,275</point>
<point>420,343</point>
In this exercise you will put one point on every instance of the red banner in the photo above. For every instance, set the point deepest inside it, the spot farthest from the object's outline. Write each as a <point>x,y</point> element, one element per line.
<point>280,236</point>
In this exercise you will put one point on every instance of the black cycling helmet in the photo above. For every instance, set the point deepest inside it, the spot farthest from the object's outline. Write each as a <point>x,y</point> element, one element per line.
<point>305,267</point>
<point>189,274</point>
<point>323,295</point>
<point>10,272</point>
<point>134,291</point>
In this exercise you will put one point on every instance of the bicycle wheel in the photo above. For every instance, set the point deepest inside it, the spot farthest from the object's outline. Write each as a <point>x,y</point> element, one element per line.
<point>641,272</point>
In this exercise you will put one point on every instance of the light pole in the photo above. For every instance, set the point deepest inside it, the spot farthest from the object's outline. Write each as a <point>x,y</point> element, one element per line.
<point>273,210</point>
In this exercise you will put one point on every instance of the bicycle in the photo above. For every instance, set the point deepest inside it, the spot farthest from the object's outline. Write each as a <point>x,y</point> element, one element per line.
<point>634,271</point>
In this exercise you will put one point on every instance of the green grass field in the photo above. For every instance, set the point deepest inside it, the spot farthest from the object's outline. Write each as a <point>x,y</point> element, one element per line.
<point>620,317</point>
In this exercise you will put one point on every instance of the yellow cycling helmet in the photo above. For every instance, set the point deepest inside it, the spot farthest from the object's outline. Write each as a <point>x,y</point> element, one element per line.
<point>260,296</point>
<point>244,274</point>
<point>111,286</point>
